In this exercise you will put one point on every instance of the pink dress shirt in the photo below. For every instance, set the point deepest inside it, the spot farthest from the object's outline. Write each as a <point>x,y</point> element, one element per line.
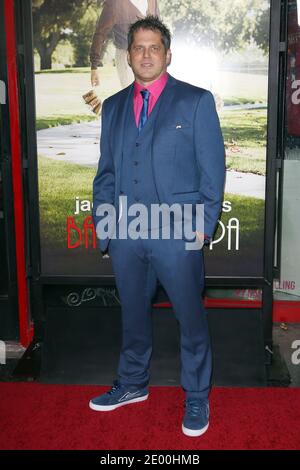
<point>155,89</point>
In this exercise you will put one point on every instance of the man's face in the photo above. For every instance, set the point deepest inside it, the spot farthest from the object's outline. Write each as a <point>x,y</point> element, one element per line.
<point>148,57</point>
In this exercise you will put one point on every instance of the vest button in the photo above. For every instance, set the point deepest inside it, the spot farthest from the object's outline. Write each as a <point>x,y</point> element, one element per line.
<point>137,144</point>
<point>136,163</point>
<point>135,181</point>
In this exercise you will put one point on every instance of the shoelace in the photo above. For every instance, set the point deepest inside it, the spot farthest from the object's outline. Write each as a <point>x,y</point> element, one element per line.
<point>196,408</point>
<point>116,386</point>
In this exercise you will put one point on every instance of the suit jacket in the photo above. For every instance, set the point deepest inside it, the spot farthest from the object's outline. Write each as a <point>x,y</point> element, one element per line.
<point>116,16</point>
<point>187,153</point>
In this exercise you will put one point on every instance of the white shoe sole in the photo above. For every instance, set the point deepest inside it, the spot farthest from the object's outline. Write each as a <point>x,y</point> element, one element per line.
<point>114,407</point>
<point>194,432</point>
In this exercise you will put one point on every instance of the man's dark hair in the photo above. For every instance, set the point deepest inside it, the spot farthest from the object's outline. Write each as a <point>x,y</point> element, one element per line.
<point>154,24</point>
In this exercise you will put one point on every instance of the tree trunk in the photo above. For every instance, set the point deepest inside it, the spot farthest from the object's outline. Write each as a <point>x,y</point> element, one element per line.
<point>46,59</point>
<point>46,47</point>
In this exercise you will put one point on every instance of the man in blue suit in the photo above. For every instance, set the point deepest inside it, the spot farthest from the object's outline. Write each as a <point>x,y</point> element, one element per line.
<point>161,144</point>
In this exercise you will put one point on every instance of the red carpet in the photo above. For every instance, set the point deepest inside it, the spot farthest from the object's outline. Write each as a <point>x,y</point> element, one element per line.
<point>35,416</point>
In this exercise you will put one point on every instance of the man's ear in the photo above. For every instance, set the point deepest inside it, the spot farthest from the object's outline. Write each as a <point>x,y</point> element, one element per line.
<point>128,59</point>
<point>169,56</point>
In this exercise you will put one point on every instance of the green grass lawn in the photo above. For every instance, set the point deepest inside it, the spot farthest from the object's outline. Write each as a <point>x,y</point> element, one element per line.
<point>67,70</point>
<point>54,121</point>
<point>60,183</point>
<point>59,93</point>
<point>245,133</point>
<point>249,86</point>
<point>246,163</point>
<point>247,127</point>
<point>238,100</point>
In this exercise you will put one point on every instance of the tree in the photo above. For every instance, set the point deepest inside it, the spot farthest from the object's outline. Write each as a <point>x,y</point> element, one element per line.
<point>261,32</point>
<point>226,26</point>
<point>81,39</point>
<point>55,20</point>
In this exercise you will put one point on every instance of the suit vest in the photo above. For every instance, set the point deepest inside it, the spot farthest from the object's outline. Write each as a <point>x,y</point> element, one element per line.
<point>137,181</point>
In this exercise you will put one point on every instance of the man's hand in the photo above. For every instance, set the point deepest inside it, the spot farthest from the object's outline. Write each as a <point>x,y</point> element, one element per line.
<point>204,239</point>
<point>200,236</point>
<point>95,79</point>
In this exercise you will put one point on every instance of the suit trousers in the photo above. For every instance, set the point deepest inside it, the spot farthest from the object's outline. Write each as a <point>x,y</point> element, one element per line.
<point>137,265</point>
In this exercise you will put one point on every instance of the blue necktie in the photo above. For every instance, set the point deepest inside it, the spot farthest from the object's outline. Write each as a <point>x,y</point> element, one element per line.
<point>144,113</point>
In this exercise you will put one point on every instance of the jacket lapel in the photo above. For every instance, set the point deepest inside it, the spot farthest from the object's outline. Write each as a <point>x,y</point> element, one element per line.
<point>166,106</point>
<point>119,131</point>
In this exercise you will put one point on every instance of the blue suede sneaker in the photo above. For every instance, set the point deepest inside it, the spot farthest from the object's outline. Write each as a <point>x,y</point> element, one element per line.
<point>195,421</point>
<point>119,395</point>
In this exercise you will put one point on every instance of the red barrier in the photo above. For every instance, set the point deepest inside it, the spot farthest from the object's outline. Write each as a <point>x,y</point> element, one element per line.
<point>25,325</point>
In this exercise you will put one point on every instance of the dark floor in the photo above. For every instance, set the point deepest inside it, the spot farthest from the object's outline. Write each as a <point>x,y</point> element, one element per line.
<point>284,370</point>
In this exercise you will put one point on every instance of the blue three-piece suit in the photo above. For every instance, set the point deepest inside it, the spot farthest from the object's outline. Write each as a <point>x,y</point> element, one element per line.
<point>177,157</point>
